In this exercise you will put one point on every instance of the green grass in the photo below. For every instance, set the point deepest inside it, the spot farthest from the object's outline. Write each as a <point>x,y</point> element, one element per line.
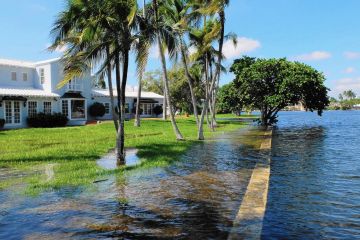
<point>74,150</point>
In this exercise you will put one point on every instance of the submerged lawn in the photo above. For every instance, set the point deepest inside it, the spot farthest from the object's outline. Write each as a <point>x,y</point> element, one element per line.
<point>72,151</point>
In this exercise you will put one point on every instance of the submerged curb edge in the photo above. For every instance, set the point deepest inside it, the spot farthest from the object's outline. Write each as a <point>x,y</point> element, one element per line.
<point>249,219</point>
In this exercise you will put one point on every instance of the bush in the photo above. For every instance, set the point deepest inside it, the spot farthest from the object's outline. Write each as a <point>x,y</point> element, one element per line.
<point>97,110</point>
<point>2,123</point>
<point>134,110</point>
<point>158,110</point>
<point>42,120</point>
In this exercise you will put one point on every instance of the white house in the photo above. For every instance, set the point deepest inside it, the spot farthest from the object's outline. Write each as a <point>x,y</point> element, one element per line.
<point>27,88</point>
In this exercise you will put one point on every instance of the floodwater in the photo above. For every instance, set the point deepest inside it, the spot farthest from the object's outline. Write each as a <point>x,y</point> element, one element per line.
<point>197,197</point>
<point>315,177</point>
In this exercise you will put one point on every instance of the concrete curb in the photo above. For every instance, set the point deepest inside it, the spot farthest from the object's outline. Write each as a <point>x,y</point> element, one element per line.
<point>249,219</point>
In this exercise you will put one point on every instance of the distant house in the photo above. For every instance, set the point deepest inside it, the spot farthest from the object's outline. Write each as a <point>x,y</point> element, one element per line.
<point>297,107</point>
<point>27,88</point>
<point>356,107</point>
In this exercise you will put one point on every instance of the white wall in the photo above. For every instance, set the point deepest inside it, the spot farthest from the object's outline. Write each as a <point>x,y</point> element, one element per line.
<point>5,76</point>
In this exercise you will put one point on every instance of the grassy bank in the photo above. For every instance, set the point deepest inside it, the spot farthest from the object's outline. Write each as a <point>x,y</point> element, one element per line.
<point>73,150</point>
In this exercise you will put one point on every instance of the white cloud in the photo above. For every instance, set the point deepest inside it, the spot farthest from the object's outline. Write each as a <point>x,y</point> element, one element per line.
<point>350,70</point>
<point>313,56</point>
<point>244,45</point>
<point>352,55</point>
<point>344,84</point>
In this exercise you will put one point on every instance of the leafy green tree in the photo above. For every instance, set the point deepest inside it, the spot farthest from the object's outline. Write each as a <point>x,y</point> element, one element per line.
<point>179,87</point>
<point>229,100</point>
<point>272,84</point>
<point>152,82</point>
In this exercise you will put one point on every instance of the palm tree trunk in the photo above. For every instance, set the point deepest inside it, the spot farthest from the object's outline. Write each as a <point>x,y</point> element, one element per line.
<point>165,103</point>
<point>111,91</point>
<point>190,82</point>
<point>121,132</point>
<point>205,103</point>
<point>119,144</point>
<point>167,92</point>
<point>137,114</point>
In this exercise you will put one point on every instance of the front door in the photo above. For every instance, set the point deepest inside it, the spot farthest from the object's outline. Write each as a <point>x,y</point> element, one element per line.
<point>12,113</point>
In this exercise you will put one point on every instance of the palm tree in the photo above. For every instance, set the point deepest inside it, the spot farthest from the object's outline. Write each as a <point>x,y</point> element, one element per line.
<point>202,40</point>
<point>99,31</point>
<point>212,8</point>
<point>141,73</point>
<point>163,32</point>
<point>178,16</point>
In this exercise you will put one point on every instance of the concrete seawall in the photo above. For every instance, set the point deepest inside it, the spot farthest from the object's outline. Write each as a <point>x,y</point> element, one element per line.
<point>249,219</point>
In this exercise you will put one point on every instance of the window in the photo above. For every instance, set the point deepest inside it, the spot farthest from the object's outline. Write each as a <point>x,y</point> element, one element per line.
<point>42,75</point>
<point>77,109</point>
<point>25,77</point>
<point>32,108</point>
<point>8,112</point>
<point>65,107</point>
<point>107,108</point>
<point>47,107</point>
<point>127,108</point>
<point>75,85</point>
<point>12,112</point>
<point>147,108</point>
<point>13,76</point>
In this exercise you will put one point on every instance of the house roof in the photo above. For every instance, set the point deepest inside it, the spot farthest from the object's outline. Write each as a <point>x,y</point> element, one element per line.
<point>105,93</point>
<point>26,92</point>
<point>72,95</point>
<point>17,63</point>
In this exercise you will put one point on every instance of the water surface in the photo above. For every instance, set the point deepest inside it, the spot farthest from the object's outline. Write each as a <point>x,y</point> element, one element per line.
<point>315,177</point>
<point>195,198</point>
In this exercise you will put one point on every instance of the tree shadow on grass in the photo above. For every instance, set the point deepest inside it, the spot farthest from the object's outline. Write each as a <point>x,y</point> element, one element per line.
<point>164,153</point>
<point>49,158</point>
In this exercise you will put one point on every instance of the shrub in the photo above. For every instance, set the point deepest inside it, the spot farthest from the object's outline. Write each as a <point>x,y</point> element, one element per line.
<point>97,110</point>
<point>2,123</point>
<point>134,110</point>
<point>43,120</point>
<point>158,110</point>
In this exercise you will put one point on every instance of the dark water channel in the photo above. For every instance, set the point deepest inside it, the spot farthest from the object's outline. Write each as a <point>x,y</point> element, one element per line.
<point>315,177</point>
<point>195,198</point>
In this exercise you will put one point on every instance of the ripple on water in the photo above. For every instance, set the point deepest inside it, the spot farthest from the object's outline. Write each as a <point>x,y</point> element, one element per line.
<point>314,185</point>
<point>196,197</point>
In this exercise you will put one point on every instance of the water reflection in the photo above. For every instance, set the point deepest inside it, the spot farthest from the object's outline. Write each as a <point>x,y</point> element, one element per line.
<point>315,179</point>
<point>197,197</point>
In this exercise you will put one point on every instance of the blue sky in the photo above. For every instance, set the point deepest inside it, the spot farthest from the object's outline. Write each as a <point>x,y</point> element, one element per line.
<point>323,33</point>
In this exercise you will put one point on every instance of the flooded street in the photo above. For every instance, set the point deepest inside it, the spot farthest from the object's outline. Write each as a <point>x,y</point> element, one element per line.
<point>197,197</point>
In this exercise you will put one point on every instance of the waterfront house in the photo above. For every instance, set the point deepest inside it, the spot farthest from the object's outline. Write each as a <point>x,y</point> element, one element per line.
<point>27,88</point>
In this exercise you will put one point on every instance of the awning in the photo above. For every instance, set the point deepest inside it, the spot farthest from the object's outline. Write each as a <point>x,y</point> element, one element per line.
<point>146,101</point>
<point>76,95</point>
<point>13,98</point>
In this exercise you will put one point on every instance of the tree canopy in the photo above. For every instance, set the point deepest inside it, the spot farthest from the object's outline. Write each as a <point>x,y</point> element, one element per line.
<point>272,84</point>
<point>229,99</point>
